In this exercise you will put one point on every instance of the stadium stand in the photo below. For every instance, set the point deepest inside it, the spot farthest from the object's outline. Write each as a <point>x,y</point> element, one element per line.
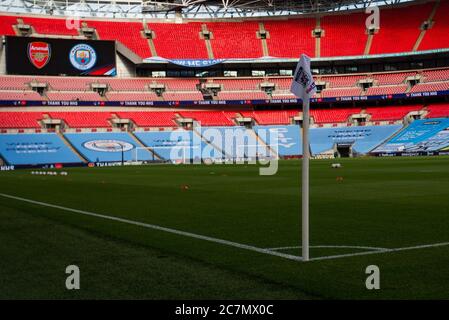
<point>436,75</point>
<point>179,96</point>
<point>270,117</point>
<point>436,36</point>
<point>342,81</point>
<point>20,95</point>
<point>85,119</point>
<point>73,96</point>
<point>208,118</point>
<point>286,37</point>
<point>168,145</point>
<point>242,95</point>
<point>390,113</point>
<point>183,41</point>
<point>107,146</point>
<point>336,30</point>
<point>438,110</point>
<point>179,41</point>
<point>34,149</point>
<point>132,96</point>
<point>420,135</point>
<point>286,141</point>
<point>335,115</point>
<point>128,33</point>
<point>150,119</point>
<point>6,25</point>
<point>341,92</point>
<point>15,120</point>
<point>386,90</point>
<point>391,78</point>
<point>362,139</point>
<point>235,40</point>
<point>400,28</point>
<point>239,84</point>
<point>51,26</point>
<point>431,86</point>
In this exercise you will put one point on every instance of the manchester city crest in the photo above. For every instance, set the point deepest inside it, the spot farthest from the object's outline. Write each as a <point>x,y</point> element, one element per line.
<point>83,57</point>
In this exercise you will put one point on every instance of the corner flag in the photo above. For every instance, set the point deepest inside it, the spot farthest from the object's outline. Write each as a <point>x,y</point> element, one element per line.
<point>304,87</point>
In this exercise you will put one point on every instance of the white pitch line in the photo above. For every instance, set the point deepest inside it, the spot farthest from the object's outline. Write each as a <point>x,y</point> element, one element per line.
<point>159,228</point>
<point>424,246</point>
<point>330,247</point>
<point>221,241</point>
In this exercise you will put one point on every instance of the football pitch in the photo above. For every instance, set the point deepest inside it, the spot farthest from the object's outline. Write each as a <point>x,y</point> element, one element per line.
<point>225,232</point>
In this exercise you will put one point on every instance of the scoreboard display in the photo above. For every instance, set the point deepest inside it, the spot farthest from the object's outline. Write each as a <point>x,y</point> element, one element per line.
<point>72,57</point>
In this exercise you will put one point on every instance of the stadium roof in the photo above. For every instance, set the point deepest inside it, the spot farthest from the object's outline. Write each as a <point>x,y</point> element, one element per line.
<point>192,9</point>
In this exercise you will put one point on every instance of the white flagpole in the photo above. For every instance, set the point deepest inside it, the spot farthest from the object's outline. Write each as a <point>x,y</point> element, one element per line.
<point>304,87</point>
<point>305,178</point>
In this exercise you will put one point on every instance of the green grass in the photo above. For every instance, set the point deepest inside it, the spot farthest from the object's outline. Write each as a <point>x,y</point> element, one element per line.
<point>390,203</point>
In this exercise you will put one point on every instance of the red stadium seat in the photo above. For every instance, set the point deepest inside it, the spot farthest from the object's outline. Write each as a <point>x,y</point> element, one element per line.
<point>10,120</point>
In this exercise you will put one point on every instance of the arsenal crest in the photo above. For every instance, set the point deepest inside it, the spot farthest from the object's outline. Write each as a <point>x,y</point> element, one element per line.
<point>39,54</point>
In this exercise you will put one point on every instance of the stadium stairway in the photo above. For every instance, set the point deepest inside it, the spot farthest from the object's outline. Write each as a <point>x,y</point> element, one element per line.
<point>71,147</point>
<point>139,142</point>
<point>210,143</point>
<point>423,30</point>
<point>267,146</point>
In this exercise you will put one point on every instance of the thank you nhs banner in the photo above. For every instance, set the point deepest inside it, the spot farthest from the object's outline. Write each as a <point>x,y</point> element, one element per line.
<point>191,63</point>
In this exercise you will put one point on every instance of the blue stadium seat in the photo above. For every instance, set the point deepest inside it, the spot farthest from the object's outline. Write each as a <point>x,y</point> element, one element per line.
<point>420,135</point>
<point>287,140</point>
<point>107,146</point>
<point>35,149</point>
<point>172,145</point>
<point>363,139</point>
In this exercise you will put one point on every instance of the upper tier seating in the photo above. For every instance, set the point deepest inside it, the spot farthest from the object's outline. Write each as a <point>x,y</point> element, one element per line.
<point>344,35</point>
<point>431,86</point>
<point>6,23</point>
<point>242,95</point>
<point>50,26</point>
<point>239,84</point>
<point>436,37</point>
<point>208,118</point>
<point>20,95</point>
<point>341,92</point>
<point>16,120</point>
<point>399,28</point>
<point>128,33</point>
<point>84,119</point>
<point>14,83</point>
<point>372,91</point>
<point>177,84</point>
<point>150,119</point>
<point>180,96</point>
<point>132,96</point>
<point>290,37</point>
<point>73,96</point>
<point>178,41</point>
<point>342,81</point>
<point>436,75</point>
<point>390,113</point>
<point>235,39</point>
<point>391,78</point>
